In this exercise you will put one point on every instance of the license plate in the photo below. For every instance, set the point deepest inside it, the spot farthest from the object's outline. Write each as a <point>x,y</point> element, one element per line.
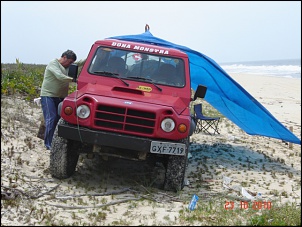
<point>168,148</point>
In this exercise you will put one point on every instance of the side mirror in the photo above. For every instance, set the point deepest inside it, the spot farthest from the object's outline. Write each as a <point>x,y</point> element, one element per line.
<point>73,72</point>
<point>200,92</point>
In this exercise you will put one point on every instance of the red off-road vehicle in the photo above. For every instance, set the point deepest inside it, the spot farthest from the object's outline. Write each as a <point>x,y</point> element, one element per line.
<point>132,101</point>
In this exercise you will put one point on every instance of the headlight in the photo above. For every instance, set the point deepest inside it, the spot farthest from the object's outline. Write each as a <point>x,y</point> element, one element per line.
<point>83,111</point>
<point>167,125</point>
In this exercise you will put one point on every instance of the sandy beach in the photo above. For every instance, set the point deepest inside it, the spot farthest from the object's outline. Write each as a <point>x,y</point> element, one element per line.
<point>227,164</point>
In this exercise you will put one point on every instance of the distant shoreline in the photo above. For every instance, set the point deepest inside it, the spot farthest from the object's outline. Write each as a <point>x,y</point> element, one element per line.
<point>298,60</point>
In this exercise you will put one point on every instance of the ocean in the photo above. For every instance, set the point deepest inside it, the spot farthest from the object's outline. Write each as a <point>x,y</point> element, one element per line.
<point>290,68</point>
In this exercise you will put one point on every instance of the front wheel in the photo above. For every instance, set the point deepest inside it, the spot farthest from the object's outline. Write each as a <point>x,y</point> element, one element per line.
<point>63,155</point>
<point>176,169</point>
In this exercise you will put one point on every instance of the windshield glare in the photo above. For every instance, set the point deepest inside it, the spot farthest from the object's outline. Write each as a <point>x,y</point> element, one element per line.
<point>135,65</point>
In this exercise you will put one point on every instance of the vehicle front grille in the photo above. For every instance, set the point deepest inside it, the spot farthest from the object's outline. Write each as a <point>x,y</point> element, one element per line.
<point>123,119</point>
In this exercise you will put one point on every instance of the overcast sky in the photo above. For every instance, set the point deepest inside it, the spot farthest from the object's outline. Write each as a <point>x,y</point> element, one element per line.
<point>37,32</point>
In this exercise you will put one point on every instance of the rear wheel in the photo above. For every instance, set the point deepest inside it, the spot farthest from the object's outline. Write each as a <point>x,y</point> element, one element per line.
<point>64,155</point>
<point>175,170</point>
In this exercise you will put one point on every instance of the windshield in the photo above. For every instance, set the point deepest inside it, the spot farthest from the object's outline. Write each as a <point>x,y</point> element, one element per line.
<point>135,66</point>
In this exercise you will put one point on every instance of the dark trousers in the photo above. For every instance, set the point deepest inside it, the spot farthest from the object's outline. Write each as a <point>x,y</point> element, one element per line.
<point>51,117</point>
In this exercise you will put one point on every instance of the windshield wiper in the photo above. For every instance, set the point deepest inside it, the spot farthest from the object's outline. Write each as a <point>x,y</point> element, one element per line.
<point>146,79</point>
<point>115,75</point>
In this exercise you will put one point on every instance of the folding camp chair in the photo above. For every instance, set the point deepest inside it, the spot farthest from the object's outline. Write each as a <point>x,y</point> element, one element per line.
<point>204,123</point>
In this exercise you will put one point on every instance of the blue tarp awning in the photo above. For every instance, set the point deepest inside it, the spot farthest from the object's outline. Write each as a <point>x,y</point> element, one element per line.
<point>224,93</point>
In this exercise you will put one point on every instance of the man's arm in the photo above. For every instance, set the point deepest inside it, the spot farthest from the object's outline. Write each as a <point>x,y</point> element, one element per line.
<point>81,62</point>
<point>54,68</point>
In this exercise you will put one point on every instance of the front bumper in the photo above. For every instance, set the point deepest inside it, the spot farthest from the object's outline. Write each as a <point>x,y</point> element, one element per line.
<point>104,138</point>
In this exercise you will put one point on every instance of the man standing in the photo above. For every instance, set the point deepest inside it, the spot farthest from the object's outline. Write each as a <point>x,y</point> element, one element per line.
<point>54,89</point>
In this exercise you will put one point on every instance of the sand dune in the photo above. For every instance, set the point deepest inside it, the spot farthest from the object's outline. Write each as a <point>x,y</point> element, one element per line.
<point>228,163</point>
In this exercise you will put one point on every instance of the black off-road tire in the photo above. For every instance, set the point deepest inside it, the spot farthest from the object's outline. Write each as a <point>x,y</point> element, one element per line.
<point>64,155</point>
<point>176,169</point>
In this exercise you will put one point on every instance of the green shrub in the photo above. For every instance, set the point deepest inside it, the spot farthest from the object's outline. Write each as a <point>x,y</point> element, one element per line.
<point>24,79</point>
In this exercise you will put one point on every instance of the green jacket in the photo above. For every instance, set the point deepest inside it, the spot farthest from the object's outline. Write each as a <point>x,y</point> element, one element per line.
<point>55,82</point>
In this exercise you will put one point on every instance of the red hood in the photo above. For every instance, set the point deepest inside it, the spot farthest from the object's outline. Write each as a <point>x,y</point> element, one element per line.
<point>163,98</point>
